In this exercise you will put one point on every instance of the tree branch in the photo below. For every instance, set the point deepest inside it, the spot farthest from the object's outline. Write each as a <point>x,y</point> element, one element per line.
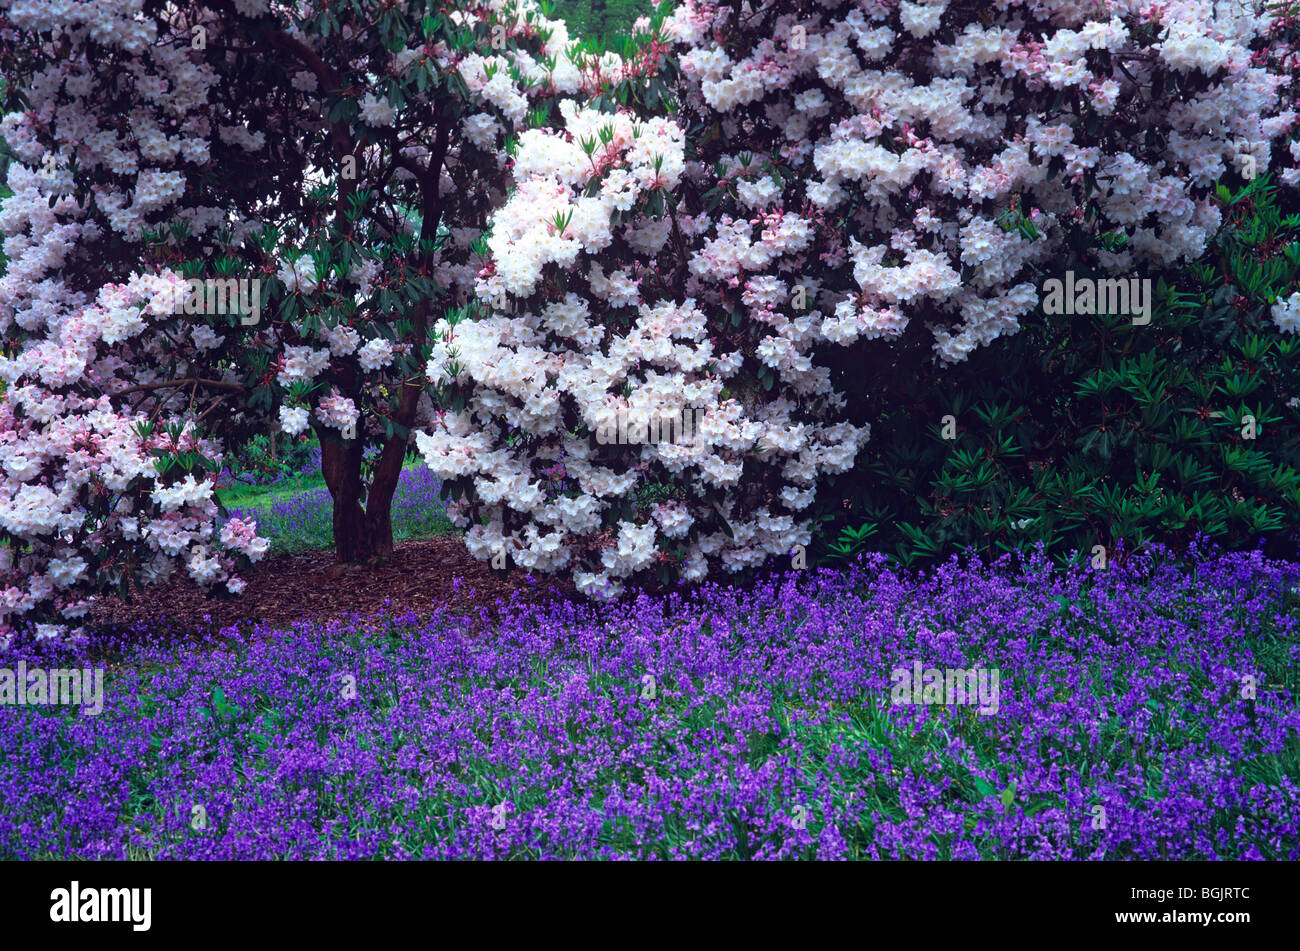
<point>187,381</point>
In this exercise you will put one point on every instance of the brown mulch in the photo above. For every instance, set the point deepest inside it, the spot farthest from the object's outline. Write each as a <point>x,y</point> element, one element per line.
<point>421,576</point>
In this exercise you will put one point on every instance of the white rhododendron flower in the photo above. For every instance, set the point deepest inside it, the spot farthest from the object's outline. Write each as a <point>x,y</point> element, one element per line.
<point>298,274</point>
<point>205,338</point>
<point>294,420</point>
<point>376,354</point>
<point>867,174</point>
<point>342,340</point>
<point>1286,314</point>
<point>376,111</point>
<point>338,411</point>
<point>302,363</point>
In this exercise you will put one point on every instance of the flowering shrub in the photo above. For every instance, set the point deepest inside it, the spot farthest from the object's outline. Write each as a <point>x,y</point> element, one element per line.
<point>1105,432</point>
<point>334,161</point>
<point>803,193</point>
<point>1281,55</point>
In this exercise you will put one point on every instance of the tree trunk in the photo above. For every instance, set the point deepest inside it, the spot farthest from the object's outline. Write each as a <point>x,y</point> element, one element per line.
<point>388,468</point>
<point>360,536</point>
<point>365,534</point>
<point>379,501</point>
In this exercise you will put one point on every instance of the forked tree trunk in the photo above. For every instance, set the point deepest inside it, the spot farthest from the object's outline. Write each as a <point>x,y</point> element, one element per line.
<point>364,533</point>
<point>361,534</point>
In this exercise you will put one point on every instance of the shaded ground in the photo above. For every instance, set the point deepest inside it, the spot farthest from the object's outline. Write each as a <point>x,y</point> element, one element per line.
<point>288,588</point>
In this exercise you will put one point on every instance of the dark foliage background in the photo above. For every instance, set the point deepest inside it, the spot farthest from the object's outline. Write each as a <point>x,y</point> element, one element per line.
<point>1082,431</point>
<point>604,22</point>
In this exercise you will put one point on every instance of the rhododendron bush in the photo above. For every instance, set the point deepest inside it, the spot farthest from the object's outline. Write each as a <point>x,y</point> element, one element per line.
<point>1280,53</point>
<point>805,188</point>
<point>384,218</point>
<point>334,163</point>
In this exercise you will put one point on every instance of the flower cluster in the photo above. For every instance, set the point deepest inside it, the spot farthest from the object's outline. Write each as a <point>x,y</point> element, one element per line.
<point>942,151</point>
<point>554,372</point>
<point>862,174</point>
<point>1280,54</point>
<point>1286,314</point>
<point>141,157</point>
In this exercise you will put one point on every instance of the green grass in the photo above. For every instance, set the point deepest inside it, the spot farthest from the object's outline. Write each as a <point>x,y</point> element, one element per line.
<point>263,496</point>
<point>297,514</point>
